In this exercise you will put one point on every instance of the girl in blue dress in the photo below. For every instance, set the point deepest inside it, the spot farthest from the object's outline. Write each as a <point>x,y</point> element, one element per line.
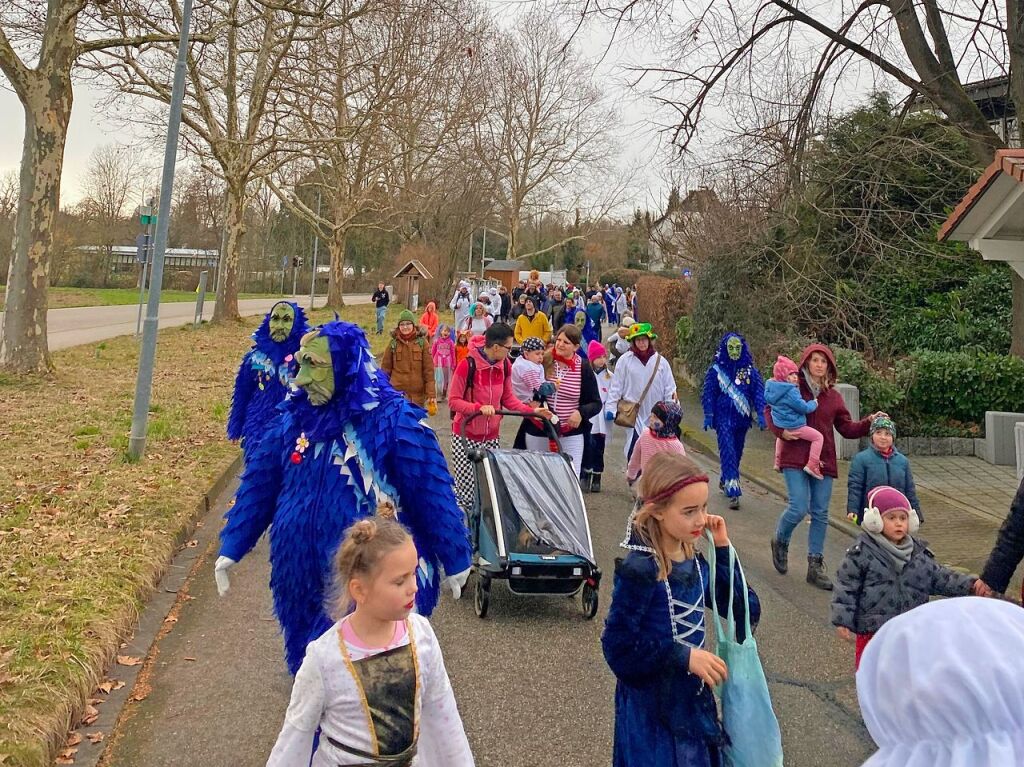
<point>665,713</point>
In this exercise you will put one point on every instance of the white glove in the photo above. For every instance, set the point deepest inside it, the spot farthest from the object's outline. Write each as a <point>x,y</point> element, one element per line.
<point>457,581</point>
<point>220,574</point>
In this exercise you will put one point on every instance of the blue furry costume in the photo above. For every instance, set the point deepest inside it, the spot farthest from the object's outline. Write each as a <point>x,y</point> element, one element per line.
<point>262,381</point>
<point>733,396</point>
<point>320,469</point>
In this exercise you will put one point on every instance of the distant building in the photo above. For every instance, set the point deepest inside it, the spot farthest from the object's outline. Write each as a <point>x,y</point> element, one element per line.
<point>993,99</point>
<point>669,233</point>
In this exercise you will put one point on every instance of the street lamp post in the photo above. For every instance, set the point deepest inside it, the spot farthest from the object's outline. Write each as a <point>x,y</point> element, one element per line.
<point>147,355</point>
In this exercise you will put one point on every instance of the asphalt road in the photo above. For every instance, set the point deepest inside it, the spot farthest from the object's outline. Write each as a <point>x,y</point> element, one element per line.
<point>88,324</point>
<point>530,680</point>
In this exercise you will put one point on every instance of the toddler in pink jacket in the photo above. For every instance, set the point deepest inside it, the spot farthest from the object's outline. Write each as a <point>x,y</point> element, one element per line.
<point>662,435</point>
<point>443,353</point>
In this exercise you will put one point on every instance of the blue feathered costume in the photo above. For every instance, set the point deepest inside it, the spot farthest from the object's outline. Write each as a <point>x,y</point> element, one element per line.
<point>664,715</point>
<point>733,396</point>
<point>262,381</point>
<point>320,469</point>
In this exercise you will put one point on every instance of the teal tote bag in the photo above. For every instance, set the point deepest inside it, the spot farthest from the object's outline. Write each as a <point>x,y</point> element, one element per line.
<point>747,715</point>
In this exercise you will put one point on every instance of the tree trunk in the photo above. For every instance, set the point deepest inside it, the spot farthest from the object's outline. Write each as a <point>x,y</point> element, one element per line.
<point>23,346</point>
<point>513,237</point>
<point>335,287</point>
<point>226,308</point>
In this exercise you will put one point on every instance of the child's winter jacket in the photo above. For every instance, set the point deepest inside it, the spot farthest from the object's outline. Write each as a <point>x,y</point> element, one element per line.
<point>870,469</point>
<point>869,590</point>
<point>789,409</point>
<point>443,353</point>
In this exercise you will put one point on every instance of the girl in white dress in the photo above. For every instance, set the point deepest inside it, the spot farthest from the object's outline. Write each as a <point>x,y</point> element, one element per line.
<point>374,685</point>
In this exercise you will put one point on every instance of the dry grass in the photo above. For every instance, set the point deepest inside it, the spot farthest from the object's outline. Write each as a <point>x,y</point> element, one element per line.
<point>84,534</point>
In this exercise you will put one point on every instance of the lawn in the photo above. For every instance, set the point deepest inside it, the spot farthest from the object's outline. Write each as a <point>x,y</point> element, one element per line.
<point>64,298</point>
<point>84,534</point>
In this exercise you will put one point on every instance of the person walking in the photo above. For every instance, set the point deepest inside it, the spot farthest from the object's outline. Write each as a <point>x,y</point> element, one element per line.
<point>532,323</point>
<point>408,363</point>
<point>642,378</point>
<point>381,299</point>
<point>1009,548</point>
<point>460,304</point>
<point>808,495</point>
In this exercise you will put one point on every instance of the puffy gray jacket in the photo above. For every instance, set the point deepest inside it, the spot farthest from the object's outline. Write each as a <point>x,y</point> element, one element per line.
<point>869,590</point>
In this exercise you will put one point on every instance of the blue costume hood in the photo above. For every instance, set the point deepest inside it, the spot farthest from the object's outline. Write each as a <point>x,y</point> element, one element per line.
<point>278,351</point>
<point>359,384</point>
<point>724,361</point>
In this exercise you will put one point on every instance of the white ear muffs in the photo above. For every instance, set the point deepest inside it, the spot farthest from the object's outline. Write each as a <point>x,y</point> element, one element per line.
<point>915,521</point>
<point>872,521</point>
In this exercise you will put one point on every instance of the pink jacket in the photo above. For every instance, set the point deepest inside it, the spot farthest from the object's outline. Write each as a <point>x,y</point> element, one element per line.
<point>443,353</point>
<point>647,446</point>
<point>491,386</point>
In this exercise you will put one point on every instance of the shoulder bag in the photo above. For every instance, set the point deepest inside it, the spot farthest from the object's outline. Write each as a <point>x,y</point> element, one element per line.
<point>627,411</point>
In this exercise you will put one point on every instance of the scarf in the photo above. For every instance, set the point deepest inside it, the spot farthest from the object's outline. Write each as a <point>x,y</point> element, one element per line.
<point>815,389</point>
<point>410,335</point>
<point>643,356</point>
<point>569,362</point>
<point>898,552</point>
<point>887,453</point>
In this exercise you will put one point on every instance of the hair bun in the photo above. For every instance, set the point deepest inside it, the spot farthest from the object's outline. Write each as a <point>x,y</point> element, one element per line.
<point>364,531</point>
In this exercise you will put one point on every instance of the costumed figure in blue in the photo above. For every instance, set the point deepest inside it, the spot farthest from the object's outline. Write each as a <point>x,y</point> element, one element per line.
<point>609,304</point>
<point>733,396</point>
<point>265,373</point>
<point>341,446</point>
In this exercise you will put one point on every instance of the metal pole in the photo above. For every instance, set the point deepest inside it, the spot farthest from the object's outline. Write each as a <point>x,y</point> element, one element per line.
<point>147,250</point>
<point>295,277</point>
<point>316,253</point>
<point>147,355</point>
<point>200,298</point>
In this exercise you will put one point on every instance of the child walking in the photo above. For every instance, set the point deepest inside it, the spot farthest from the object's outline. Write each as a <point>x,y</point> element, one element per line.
<point>374,684</point>
<point>662,435</point>
<point>653,641</point>
<point>593,448</point>
<point>880,464</point>
<point>443,353</point>
<point>789,412</point>
<point>888,572</point>
<point>461,346</point>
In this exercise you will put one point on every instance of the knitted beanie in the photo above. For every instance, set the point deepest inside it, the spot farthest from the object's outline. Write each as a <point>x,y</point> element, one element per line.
<point>532,344</point>
<point>886,499</point>
<point>884,422</point>
<point>595,350</point>
<point>784,366</point>
<point>406,316</point>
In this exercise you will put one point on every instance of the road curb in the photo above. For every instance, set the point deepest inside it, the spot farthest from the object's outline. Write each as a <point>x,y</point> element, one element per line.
<point>694,439</point>
<point>192,543</point>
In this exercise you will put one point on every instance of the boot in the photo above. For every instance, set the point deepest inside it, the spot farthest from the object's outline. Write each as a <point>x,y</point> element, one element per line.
<point>595,482</point>
<point>816,573</point>
<point>780,556</point>
<point>734,503</point>
<point>586,481</point>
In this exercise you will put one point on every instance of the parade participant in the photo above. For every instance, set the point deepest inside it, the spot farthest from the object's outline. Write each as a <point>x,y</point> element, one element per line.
<point>653,640</point>
<point>265,373</point>
<point>408,363</point>
<point>888,572</point>
<point>941,686</point>
<point>482,384</point>
<point>518,309</point>
<point>733,398</point>
<point>494,303</point>
<point>556,308</point>
<point>429,320</point>
<point>642,378</point>
<point>806,494</point>
<point>442,352</point>
<point>532,323</point>
<point>505,308</point>
<point>789,411</point>
<point>374,686</point>
<point>460,304</point>
<point>381,299</point>
<point>662,435</point>
<point>879,464</point>
<point>527,378</point>
<point>342,444</point>
<point>478,321</point>
<point>1009,547</point>
<point>608,296</point>
<point>595,316</point>
<point>461,346</point>
<point>576,399</point>
<point>621,304</point>
<point>593,450</point>
<point>617,341</point>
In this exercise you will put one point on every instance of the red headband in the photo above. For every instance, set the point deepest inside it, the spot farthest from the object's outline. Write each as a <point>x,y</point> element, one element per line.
<point>676,487</point>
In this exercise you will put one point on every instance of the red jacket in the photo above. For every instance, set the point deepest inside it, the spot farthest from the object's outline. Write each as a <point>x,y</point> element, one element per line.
<point>490,387</point>
<point>831,413</point>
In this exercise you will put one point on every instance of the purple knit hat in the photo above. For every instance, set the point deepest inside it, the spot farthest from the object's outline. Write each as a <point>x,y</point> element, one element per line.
<point>886,499</point>
<point>784,366</point>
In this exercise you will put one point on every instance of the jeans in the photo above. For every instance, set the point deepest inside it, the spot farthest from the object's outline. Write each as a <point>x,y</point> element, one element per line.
<point>806,495</point>
<point>381,312</point>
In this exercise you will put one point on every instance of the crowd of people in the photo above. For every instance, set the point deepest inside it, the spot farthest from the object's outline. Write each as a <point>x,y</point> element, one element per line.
<point>654,637</point>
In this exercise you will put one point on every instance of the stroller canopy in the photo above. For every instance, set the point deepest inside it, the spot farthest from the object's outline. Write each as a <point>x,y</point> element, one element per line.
<point>546,496</point>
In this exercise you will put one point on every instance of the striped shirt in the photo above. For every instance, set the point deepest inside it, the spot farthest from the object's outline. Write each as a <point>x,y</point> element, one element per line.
<point>567,397</point>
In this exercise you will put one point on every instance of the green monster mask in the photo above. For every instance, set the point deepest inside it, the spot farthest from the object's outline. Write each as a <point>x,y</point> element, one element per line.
<point>282,318</point>
<point>316,371</point>
<point>735,348</point>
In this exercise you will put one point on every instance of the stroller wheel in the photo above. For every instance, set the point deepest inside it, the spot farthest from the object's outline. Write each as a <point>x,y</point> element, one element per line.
<point>482,596</point>
<point>589,599</point>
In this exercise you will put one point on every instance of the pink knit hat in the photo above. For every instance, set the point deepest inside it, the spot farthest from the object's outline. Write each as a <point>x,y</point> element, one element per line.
<point>783,367</point>
<point>595,350</point>
<point>886,499</point>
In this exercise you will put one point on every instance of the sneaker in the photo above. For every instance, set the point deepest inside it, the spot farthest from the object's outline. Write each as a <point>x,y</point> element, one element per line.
<point>814,472</point>
<point>734,503</point>
<point>780,556</point>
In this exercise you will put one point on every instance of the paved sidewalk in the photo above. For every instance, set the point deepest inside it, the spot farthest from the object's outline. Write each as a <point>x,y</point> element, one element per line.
<point>964,498</point>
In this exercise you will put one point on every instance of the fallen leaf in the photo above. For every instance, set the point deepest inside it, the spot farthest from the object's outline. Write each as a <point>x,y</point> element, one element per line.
<point>188,657</point>
<point>170,619</point>
<point>192,544</point>
<point>74,739</point>
<point>139,695</point>
<point>90,715</point>
<point>94,737</point>
<point>128,660</point>
<point>106,686</point>
<point>67,756</point>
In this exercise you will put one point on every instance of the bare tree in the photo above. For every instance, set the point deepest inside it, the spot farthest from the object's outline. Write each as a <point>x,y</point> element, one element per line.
<point>108,184</point>
<point>545,135</point>
<point>8,207</point>
<point>40,44</point>
<point>231,112</point>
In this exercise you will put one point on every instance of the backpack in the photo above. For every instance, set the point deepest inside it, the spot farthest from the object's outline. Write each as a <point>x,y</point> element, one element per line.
<point>470,375</point>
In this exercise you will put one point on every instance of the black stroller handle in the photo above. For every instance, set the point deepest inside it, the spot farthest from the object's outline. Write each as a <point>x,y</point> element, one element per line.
<point>548,426</point>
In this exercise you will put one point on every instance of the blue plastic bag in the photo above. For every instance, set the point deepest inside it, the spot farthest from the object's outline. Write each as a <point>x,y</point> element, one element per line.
<point>747,714</point>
